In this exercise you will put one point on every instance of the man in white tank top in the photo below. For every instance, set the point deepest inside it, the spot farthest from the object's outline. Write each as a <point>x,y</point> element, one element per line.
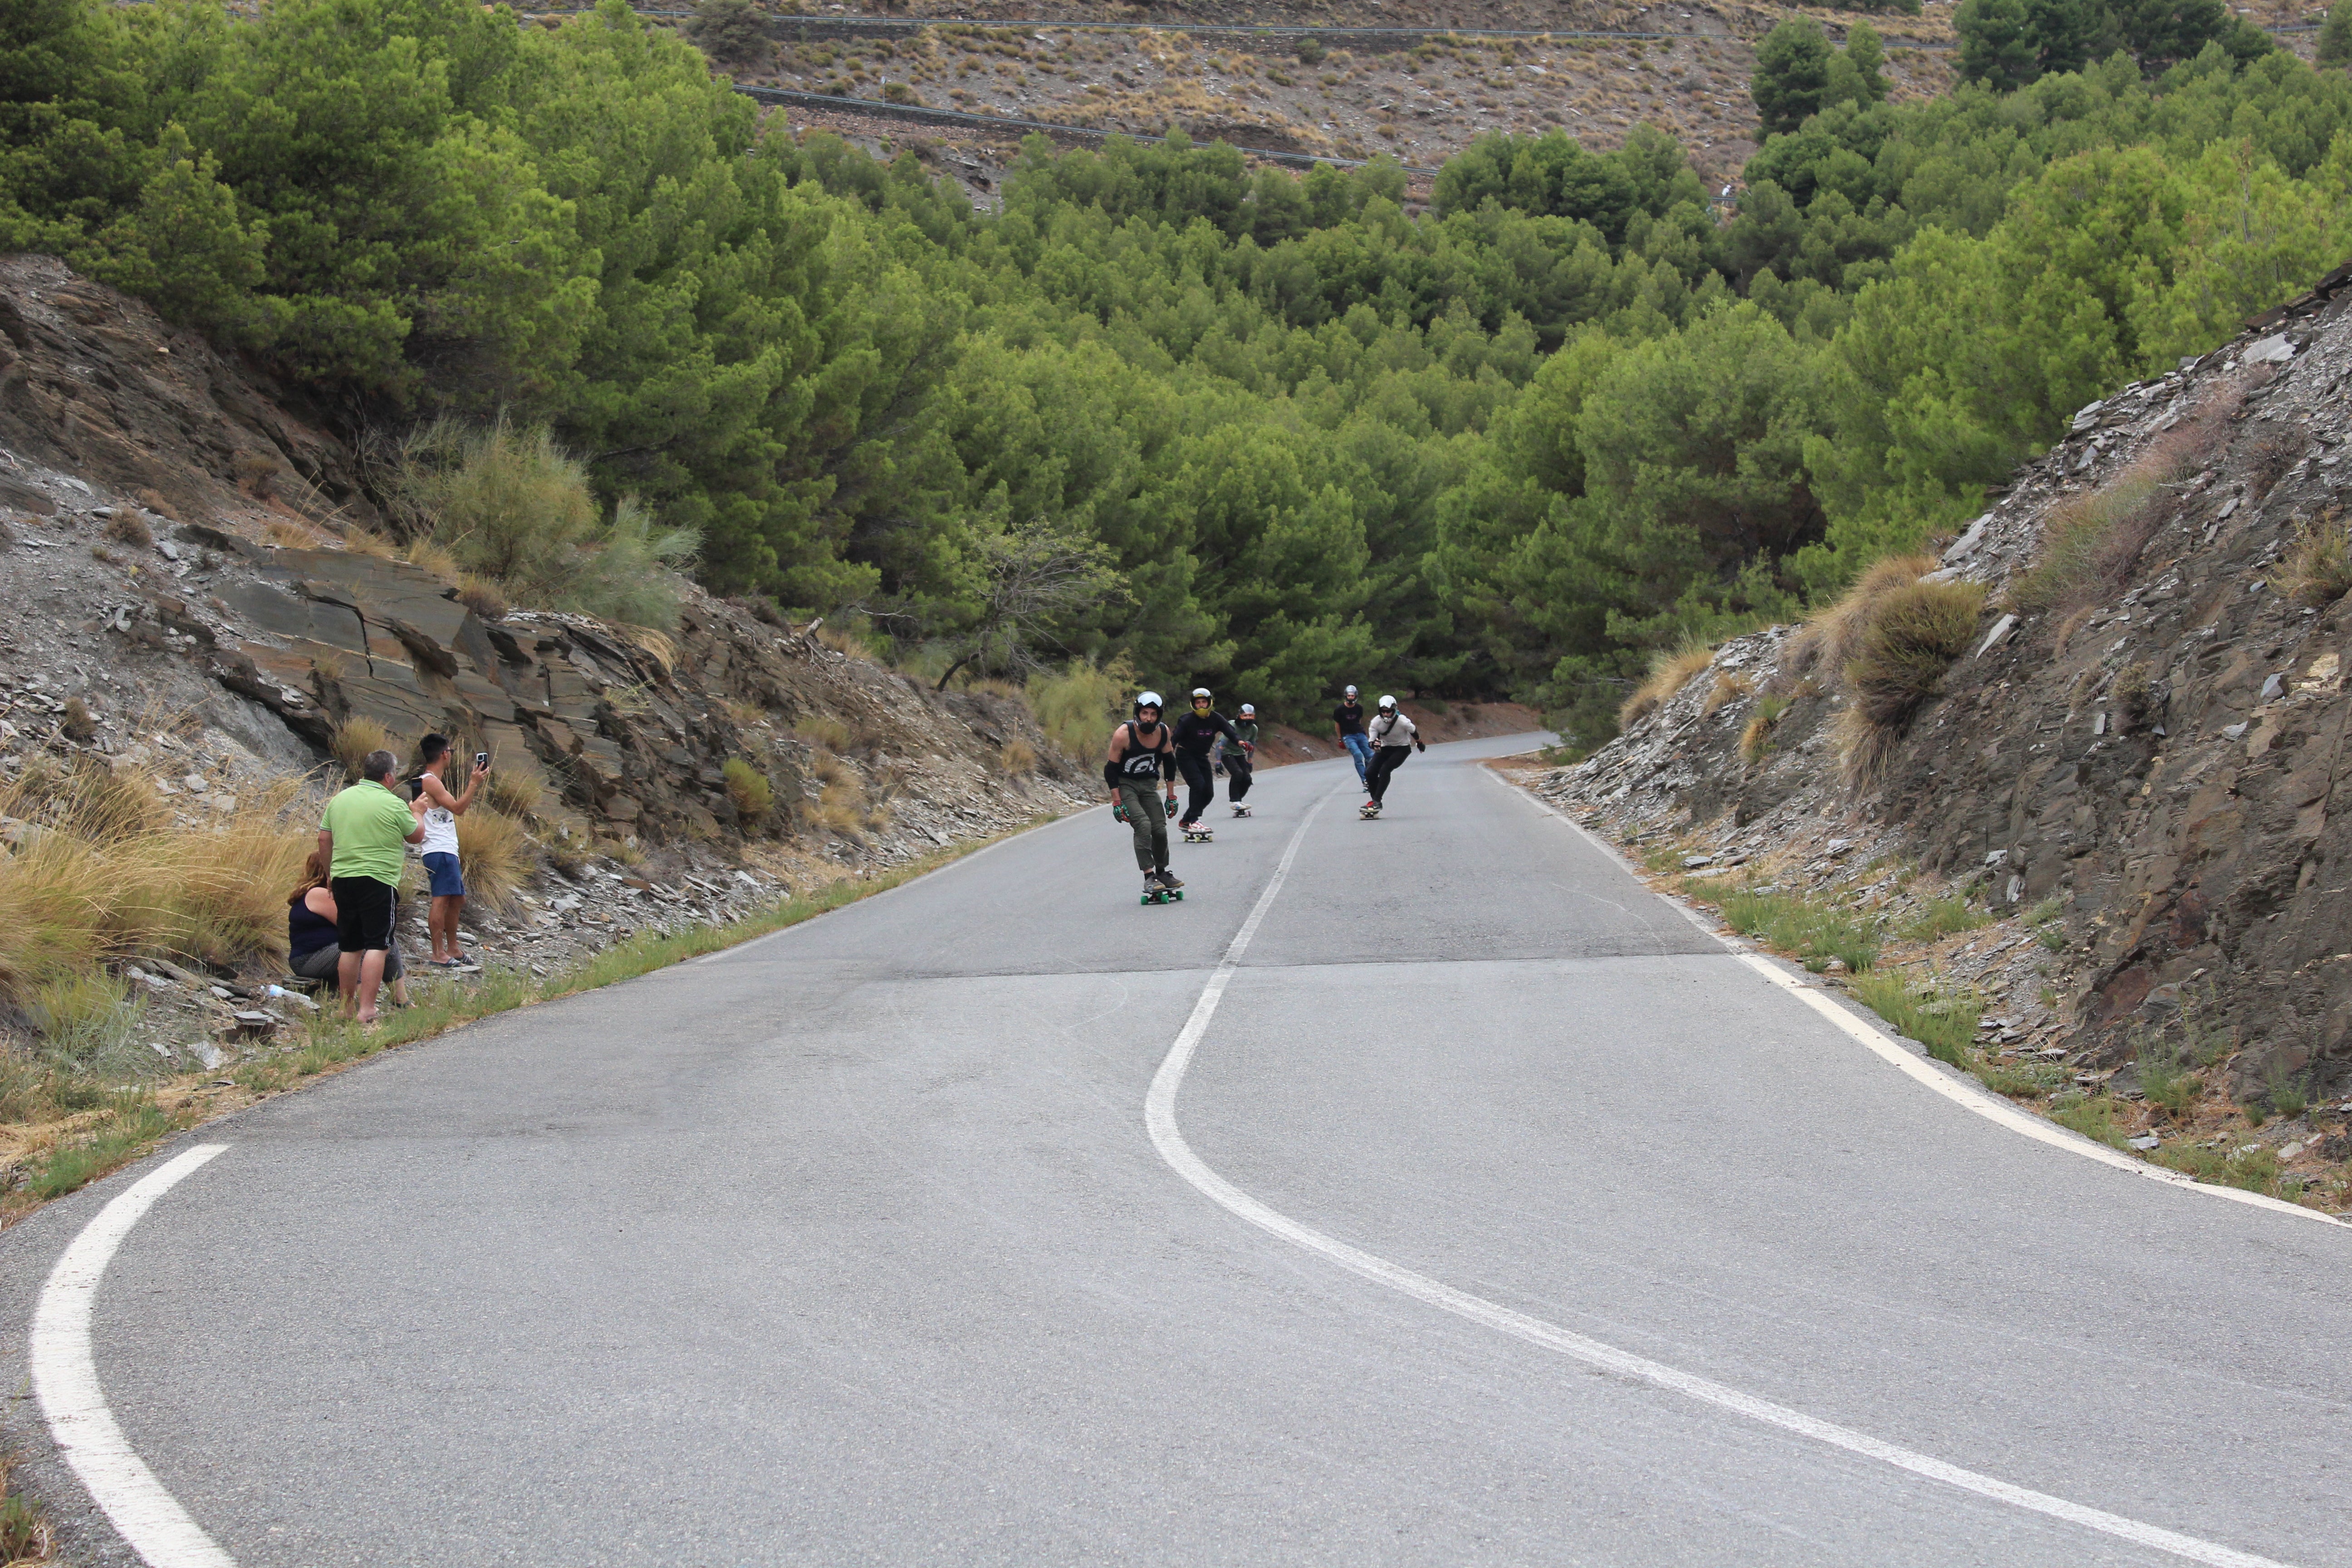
<point>439,810</point>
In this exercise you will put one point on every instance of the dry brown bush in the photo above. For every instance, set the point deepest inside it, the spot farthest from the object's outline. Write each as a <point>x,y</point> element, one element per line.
<point>1669,673</point>
<point>1826,643</point>
<point>357,735</point>
<point>1913,635</point>
<point>2319,568</point>
<point>497,855</point>
<point>1727,687</point>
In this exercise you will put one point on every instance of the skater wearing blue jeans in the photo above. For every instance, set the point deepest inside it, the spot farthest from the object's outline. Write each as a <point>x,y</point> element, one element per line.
<point>1348,723</point>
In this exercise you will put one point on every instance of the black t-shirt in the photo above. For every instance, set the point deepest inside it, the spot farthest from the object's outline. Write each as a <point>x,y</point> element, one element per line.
<point>1349,716</point>
<point>1196,732</point>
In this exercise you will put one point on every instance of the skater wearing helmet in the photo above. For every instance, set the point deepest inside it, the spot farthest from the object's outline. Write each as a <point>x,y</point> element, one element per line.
<point>1142,755</point>
<point>1239,756</point>
<point>1195,733</point>
<point>1394,739</point>
<point>1348,723</point>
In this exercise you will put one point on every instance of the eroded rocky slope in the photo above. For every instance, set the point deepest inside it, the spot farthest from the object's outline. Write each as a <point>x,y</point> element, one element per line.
<point>2143,777</point>
<point>185,561</point>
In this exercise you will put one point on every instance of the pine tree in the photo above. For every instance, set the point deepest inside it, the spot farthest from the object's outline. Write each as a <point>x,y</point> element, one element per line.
<point>1793,71</point>
<point>1995,45</point>
<point>2335,35</point>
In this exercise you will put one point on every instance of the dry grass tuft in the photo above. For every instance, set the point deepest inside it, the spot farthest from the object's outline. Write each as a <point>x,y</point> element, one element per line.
<point>103,872</point>
<point>2089,544</point>
<point>1017,756</point>
<point>128,527</point>
<point>841,809</point>
<point>357,736</point>
<point>1756,738</point>
<point>495,854</point>
<point>433,558</point>
<point>360,542</point>
<point>481,596</point>
<point>1827,643</point>
<point>1727,687</point>
<point>516,793</point>
<point>2319,568</point>
<point>1913,635</point>
<point>1669,673</point>
<point>841,639</point>
<point>290,535</point>
<point>750,791</point>
<point>821,731</point>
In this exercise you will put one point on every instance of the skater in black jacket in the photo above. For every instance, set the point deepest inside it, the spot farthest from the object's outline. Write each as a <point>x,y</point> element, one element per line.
<point>1195,733</point>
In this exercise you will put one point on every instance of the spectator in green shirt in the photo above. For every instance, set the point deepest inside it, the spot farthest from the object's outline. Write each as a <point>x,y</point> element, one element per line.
<point>363,837</point>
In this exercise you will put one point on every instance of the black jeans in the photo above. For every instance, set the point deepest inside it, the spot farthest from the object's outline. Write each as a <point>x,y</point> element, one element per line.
<point>1385,761</point>
<point>1200,785</point>
<point>1238,767</point>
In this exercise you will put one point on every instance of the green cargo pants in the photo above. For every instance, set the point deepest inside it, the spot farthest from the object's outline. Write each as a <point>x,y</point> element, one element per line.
<point>1148,821</point>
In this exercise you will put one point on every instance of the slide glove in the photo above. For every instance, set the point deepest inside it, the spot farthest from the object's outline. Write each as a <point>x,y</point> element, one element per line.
<point>1419,747</point>
<point>1119,811</point>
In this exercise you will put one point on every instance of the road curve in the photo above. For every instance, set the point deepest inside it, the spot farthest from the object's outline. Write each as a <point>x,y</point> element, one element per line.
<point>850,1246</point>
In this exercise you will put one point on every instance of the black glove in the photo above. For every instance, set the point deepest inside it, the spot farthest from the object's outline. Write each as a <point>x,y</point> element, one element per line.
<point>1419,746</point>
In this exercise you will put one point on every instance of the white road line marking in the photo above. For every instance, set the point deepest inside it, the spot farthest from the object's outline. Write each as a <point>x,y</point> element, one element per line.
<point>65,1376</point>
<point>1159,1120</point>
<point>1960,1090</point>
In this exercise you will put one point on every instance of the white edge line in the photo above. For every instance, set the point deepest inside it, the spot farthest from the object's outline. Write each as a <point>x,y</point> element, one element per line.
<point>1159,1120</point>
<point>65,1377</point>
<point>1954,1086</point>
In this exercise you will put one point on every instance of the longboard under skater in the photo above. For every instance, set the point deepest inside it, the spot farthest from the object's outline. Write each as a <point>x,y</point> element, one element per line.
<point>1199,836</point>
<point>1241,810</point>
<point>1368,810</point>
<point>1156,891</point>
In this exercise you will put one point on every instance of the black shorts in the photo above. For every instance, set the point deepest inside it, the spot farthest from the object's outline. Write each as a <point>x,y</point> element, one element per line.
<point>364,908</point>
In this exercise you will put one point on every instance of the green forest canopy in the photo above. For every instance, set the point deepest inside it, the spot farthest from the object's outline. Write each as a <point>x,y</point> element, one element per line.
<point>1564,418</point>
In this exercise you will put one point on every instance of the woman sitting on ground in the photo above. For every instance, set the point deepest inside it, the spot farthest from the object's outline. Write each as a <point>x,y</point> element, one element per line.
<point>310,932</point>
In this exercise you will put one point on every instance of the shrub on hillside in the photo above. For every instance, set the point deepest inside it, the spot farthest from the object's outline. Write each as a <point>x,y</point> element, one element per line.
<point>1913,634</point>
<point>2319,570</point>
<point>497,855</point>
<point>1078,706</point>
<point>732,31</point>
<point>355,737</point>
<point>514,509</point>
<point>750,791</point>
<point>1670,671</point>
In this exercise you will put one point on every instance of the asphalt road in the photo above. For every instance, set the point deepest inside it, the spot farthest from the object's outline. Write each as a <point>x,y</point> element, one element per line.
<point>849,1245</point>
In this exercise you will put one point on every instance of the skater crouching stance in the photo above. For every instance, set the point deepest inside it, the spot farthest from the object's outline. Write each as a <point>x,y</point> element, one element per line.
<point>1195,733</point>
<point>1143,754</point>
<point>1393,739</point>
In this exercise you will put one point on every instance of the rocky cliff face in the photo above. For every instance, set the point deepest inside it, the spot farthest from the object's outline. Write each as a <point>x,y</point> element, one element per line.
<point>185,543</point>
<point>2156,755</point>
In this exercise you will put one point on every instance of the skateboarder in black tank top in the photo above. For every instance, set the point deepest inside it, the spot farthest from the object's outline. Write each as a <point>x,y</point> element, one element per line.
<point>1143,754</point>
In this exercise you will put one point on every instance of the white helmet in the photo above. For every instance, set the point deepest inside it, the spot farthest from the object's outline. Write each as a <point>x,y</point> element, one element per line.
<point>1248,710</point>
<point>1199,691</point>
<point>1387,703</point>
<point>1351,691</point>
<point>1148,699</point>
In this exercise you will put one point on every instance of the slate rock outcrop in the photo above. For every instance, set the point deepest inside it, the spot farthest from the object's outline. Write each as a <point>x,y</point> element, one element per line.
<point>2165,764</point>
